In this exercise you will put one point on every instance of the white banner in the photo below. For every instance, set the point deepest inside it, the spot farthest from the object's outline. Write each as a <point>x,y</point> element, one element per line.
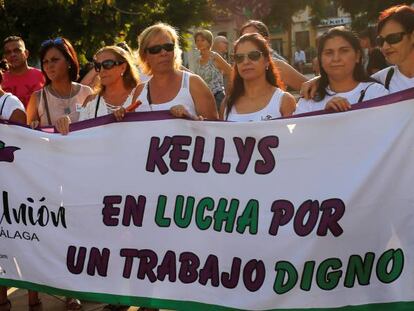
<point>310,212</point>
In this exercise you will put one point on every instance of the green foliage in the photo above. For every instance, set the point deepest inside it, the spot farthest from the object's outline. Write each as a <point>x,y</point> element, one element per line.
<point>91,24</point>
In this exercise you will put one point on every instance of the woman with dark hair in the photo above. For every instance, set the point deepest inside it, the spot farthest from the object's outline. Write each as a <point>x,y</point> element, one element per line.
<point>343,80</point>
<point>256,92</point>
<point>289,75</point>
<point>396,40</point>
<point>61,97</point>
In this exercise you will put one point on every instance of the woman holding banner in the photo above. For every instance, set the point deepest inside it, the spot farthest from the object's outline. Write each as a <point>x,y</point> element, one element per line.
<point>256,92</point>
<point>169,86</point>
<point>343,80</point>
<point>118,78</point>
<point>61,97</point>
<point>396,40</point>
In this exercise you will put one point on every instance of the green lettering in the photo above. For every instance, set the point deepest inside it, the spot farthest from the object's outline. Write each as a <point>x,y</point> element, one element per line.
<point>204,222</point>
<point>397,259</point>
<point>358,268</point>
<point>282,268</point>
<point>160,220</point>
<point>221,215</point>
<point>183,221</point>
<point>325,280</point>
<point>249,218</point>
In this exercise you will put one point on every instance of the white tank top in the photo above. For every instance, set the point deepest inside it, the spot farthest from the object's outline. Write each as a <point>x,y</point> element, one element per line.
<point>94,109</point>
<point>183,97</point>
<point>270,111</point>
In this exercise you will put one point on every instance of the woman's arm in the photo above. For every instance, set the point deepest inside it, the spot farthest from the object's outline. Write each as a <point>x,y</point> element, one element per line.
<point>32,113</point>
<point>290,75</point>
<point>288,105</point>
<point>203,99</point>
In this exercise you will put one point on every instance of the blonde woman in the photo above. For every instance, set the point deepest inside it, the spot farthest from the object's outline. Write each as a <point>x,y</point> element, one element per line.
<point>169,86</point>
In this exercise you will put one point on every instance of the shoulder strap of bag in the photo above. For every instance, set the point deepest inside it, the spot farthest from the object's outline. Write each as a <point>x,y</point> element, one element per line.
<point>390,73</point>
<point>361,97</point>
<point>97,105</point>
<point>3,104</point>
<point>49,120</point>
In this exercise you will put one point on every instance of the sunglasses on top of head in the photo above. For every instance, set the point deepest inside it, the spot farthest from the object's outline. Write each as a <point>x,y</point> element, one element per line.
<point>392,38</point>
<point>252,55</point>
<point>106,64</point>
<point>56,41</point>
<point>155,49</point>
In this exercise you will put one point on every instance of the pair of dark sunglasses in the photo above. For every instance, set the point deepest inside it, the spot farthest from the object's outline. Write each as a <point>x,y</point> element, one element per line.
<point>252,55</point>
<point>106,64</point>
<point>392,38</point>
<point>155,49</point>
<point>57,41</point>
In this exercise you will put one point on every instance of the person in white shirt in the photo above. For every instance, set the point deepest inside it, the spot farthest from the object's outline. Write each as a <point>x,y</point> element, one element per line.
<point>343,80</point>
<point>256,91</point>
<point>299,59</point>
<point>396,39</point>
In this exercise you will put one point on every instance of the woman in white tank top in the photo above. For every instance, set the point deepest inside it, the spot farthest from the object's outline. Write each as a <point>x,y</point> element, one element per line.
<point>169,86</point>
<point>255,92</point>
<point>118,79</point>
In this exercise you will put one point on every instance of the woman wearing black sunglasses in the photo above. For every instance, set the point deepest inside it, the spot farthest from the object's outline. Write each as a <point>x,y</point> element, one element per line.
<point>61,97</point>
<point>256,92</point>
<point>169,86</point>
<point>396,40</point>
<point>118,78</point>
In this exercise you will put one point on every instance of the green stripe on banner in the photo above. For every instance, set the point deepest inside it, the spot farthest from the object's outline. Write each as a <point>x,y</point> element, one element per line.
<point>185,305</point>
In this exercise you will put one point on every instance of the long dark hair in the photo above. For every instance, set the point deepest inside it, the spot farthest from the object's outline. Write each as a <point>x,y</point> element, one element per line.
<point>272,74</point>
<point>66,48</point>
<point>359,73</point>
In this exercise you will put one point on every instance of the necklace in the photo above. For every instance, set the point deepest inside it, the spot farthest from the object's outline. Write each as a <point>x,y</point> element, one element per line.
<point>66,100</point>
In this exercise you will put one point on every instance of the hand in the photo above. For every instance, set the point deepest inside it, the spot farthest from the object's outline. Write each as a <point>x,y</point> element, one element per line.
<point>309,88</point>
<point>34,124</point>
<point>119,113</point>
<point>62,125</point>
<point>179,111</point>
<point>338,104</point>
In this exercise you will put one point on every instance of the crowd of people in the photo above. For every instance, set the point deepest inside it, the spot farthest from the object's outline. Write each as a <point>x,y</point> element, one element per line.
<point>253,88</point>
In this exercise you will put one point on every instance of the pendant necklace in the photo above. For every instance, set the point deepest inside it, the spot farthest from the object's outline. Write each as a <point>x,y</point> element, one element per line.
<point>67,109</point>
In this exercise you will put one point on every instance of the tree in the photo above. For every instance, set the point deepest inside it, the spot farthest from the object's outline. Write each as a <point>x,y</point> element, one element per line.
<point>91,24</point>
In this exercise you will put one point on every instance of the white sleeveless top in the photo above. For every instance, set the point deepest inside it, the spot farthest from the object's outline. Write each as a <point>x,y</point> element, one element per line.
<point>183,97</point>
<point>92,110</point>
<point>59,107</point>
<point>270,111</point>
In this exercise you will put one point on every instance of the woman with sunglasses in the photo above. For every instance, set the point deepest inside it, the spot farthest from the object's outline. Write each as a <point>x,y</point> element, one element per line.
<point>210,65</point>
<point>396,40</point>
<point>61,97</point>
<point>289,75</point>
<point>256,92</point>
<point>343,80</point>
<point>118,78</point>
<point>169,86</point>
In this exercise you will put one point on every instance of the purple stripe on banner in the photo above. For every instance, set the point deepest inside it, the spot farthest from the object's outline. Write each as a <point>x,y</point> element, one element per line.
<point>376,102</point>
<point>165,114</point>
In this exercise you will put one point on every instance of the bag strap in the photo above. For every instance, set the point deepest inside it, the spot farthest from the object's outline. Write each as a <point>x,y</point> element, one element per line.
<point>390,73</point>
<point>97,105</point>
<point>49,120</point>
<point>361,97</point>
<point>2,105</point>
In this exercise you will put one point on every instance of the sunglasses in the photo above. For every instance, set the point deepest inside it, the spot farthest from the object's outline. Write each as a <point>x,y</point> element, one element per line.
<point>106,64</point>
<point>155,49</point>
<point>392,38</point>
<point>57,41</point>
<point>253,56</point>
